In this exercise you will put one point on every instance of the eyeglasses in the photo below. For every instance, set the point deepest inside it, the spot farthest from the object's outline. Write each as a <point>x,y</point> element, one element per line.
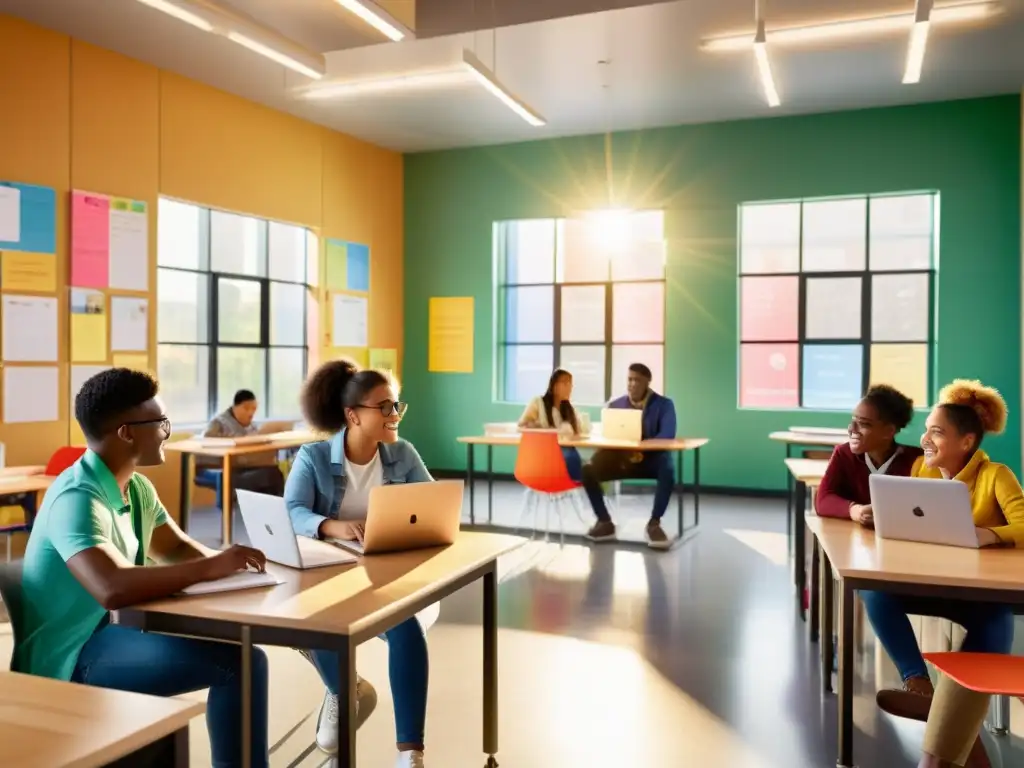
<point>388,408</point>
<point>163,422</point>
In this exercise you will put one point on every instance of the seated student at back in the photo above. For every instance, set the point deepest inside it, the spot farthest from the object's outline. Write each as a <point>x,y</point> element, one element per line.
<point>253,473</point>
<point>103,541</point>
<point>872,448</point>
<point>552,410</point>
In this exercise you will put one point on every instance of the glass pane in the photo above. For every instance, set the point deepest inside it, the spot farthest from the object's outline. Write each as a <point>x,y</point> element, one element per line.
<point>313,344</point>
<point>833,376</point>
<point>527,370</point>
<point>182,301</point>
<point>184,381</point>
<point>287,373</point>
<point>287,314</point>
<point>833,307</point>
<point>769,308</point>
<point>624,355</point>
<point>901,232</point>
<point>580,258</point>
<point>586,364</point>
<point>240,368</point>
<point>529,314</point>
<point>179,241</point>
<point>835,235</point>
<point>238,311</point>
<point>286,250</point>
<point>236,244</point>
<point>769,375</point>
<point>643,257</point>
<point>770,238</point>
<point>899,307</point>
<point>583,313</point>
<point>312,259</point>
<point>530,251</point>
<point>638,312</point>
<point>904,366</point>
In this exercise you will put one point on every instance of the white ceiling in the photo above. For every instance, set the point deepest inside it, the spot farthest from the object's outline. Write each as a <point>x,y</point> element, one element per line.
<point>657,74</point>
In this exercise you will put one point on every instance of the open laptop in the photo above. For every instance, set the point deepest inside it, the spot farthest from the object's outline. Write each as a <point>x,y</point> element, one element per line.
<point>622,424</point>
<point>270,530</point>
<point>404,516</point>
<point>919,509</point>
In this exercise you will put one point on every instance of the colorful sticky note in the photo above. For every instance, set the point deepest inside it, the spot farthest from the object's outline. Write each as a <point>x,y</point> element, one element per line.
<point>384,359</point>
<point>90,240</point>
<point>337,265</point>
<point>36,211</point>
<point>357,354</point>
<point>88,338</point>
<point>134,362</point>
<point>450,326</point>
<point>33,272</point>
<point>358,268</point>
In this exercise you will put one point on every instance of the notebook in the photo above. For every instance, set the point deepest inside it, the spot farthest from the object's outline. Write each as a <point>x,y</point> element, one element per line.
<point>234,582</point>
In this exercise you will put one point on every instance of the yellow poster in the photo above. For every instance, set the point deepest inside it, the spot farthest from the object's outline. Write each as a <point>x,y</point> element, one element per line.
<point>134,362</point>
<point>384,359</point>
<point>360,355</point>
<point>904,366</point>
<point>450,348</point>
<point>88,326</point>
<point>35,272</point>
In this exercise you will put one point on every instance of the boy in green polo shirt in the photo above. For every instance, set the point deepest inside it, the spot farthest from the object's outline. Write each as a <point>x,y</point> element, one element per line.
<point>103,541</point>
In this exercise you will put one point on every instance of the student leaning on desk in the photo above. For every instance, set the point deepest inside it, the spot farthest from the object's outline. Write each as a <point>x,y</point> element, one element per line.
<point>553,410</point>
<point>327,494</point>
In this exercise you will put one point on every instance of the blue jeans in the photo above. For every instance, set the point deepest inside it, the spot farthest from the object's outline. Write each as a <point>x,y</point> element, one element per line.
<point>126,659</point>
<point>408,670</point>
<point>607,464</point>
<point>573,463</point>
<point>989,626</point>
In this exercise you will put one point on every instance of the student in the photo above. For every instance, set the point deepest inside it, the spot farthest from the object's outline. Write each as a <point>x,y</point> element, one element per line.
<point>103,541</point>
<point>872,449</point>
<point>951,442</point>
<point>552,410</point>
<point>327,495</point>
<point>237,421</point>
<point>659,422</point>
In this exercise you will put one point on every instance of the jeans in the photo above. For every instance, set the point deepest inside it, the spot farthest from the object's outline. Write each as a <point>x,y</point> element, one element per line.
<point>573,463</point>
<point>608,465</point>
<point>408,670</point>
<point>989,627</point>
<point>267,480</point>
<point>126,659</point>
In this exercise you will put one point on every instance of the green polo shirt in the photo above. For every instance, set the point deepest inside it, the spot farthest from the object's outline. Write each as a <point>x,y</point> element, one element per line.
<point>82,509</point>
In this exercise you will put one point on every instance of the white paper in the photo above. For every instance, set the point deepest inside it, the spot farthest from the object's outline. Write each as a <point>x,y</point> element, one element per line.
<point>129,250</point>
<point>833,308</point>
<point>79,375</point>
<point>129,324</point>
<point>10,214</point>
<point>349,320</point>
<point>30,393</point>
<point>236,581</point>
<point>30,329</point>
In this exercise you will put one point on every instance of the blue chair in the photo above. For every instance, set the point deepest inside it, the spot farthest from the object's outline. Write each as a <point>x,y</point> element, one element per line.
<point>214,480</point>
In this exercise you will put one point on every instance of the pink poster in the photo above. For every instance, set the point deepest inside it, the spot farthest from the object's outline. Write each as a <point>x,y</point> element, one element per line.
<point>769,308</point>
<point>90,240</point>
<point>769,375</point>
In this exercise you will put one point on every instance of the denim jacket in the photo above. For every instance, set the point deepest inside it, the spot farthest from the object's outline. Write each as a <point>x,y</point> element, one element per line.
<point>316,483</point>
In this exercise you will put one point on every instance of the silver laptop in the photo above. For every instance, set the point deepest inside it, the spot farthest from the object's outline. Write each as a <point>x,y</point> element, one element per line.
<point>919,509</point>
<point>622,424</point>
<point>270,530</point>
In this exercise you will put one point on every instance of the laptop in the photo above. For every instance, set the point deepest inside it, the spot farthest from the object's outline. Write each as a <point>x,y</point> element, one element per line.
<point>919,509</point>
<point>270,530</point>
<point>622,424</point>
<point>406,516</point>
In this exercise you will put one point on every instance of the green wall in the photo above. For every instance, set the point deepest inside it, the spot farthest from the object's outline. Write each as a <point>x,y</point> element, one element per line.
<point>968,150</point>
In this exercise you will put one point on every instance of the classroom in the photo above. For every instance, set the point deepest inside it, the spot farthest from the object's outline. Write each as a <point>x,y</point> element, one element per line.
<point>686,308</point>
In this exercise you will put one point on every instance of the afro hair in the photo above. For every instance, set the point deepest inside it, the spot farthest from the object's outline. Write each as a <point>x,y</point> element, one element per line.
<point>984,401</point>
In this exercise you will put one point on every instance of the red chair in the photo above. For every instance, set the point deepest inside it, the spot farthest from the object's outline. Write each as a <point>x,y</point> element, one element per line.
<point>63,458</point>
<point>540,468</point>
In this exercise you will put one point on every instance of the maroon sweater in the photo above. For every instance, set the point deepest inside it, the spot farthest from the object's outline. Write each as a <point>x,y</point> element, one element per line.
<point>846,480</point>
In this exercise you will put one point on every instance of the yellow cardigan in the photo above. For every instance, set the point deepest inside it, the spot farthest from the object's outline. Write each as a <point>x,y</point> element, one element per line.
<point>997,500</point>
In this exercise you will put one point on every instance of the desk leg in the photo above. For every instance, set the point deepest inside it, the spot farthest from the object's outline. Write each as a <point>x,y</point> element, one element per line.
<point>171,752</point>
<point>246,697</point>
<point>680,491</point>
<point>827,630</point>
<point>185,491</point>
<point>799,556</point>
<point>228,507</point>
<point>789,502</point>
<point>179,748</point>
<point>491,664</point>
<point>845,708</point>
<point>346,713</point>
<point>490,484</point>
<point>470,481</point>
<point>812,590</point>
<point>696,487</point>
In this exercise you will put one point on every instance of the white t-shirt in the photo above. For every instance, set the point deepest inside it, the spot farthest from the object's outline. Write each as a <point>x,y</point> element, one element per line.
<point>536,409</point>
<point>123,521</point>
<point>359,479</point>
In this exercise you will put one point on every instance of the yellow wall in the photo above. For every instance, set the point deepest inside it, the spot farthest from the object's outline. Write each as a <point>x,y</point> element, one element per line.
<point>79,117</point>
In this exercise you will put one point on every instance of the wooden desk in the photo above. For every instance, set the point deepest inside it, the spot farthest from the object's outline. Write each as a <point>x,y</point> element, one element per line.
<point>339,607</point>
<point>678,445</point>
<point>854,556</point>
<point>50,723</point>
<point>188,449</point>
<point>804,474</point>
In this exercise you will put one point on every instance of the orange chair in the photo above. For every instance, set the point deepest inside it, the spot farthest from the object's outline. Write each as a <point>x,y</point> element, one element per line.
<point>994,673</point>
<point>63,458</point>
<point>540,467</point>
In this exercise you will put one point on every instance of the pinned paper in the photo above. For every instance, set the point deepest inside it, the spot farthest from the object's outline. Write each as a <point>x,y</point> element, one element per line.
<point>337,265</point>
<point>129,245</point>
<point>357,354</point>
<point>30,393</point>
<point>450,345</point>
<point>90,240</point>
<point>134,362</point>
<point>88,326</point>
<point>357,269</point>
<point>29,329</point>
<point>384,359</point>
<point>129,324</point>
<point>349,320</point>
<point>28,218</point>
<point>10,214</point>
<point>79,375</point>
<point>35,272</point>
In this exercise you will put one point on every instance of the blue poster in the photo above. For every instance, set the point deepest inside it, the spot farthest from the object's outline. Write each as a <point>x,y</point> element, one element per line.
<point>358,271</point>
<point>38,219</point>
<point>833,376</point>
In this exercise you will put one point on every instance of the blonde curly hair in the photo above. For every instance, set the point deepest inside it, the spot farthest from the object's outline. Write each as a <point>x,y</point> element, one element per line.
<point>986,402</point>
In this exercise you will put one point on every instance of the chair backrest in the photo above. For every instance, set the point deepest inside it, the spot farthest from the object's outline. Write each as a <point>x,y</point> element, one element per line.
<point>63,458</point>
<point>10,593</point>
<point>992,673</point>
<point>540,464</point>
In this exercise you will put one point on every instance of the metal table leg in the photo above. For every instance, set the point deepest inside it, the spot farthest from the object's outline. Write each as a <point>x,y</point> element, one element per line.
<point>798,527</point>
<point>789,502</point>
<point>827,630</point>
<point>813,590</point>
<point>490,484</point>
<point>470,481</point>
<point>246,696</point>
<point>490,627</point>
<point>845,704</point>
<point>696,487</point>
<point>185,491</point>
<point>680,489</point>
<point>346,704</point>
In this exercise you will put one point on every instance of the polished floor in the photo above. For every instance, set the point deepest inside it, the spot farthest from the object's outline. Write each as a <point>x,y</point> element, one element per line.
<point>619,656</point>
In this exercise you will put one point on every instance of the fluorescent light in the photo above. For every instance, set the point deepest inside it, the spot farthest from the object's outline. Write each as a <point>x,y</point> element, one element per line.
<point>918,42</point>
<point>859,27</point>
<point>764,67</point>
<point>487,79</point>
<point>274,55</point>
<point>179,13</point>
<point>376,18</point>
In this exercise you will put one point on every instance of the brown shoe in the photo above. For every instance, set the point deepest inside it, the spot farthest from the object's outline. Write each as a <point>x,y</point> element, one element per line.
<point>603,530</point>
<point>913,701</point>
<point>656,536</point>
<point>978,757</point>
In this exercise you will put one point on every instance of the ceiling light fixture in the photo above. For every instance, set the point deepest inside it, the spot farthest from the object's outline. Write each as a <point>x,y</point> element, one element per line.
<point>378,18</point>
<point>487,79</point>
<point>179,13</point>
<point>918,42</point>
<point>859,27</point>
<point>274,55</point>
<point>764,66</point>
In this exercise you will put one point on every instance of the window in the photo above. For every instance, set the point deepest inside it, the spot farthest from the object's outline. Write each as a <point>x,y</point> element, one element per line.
<point>233,295</point>
<point>835,295</point>
<point>586,294</point>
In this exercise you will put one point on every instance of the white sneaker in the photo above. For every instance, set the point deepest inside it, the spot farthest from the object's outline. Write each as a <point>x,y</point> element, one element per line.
<point>410,759</point>
<point>327,721</point>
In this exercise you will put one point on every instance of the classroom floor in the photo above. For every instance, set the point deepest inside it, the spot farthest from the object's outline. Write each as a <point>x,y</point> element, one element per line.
<point>614,656</point>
